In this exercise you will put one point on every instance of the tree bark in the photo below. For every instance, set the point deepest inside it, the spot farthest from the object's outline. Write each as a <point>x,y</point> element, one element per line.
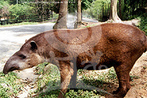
<point>79,18</point>
<point>79,14</point>
<point>120,7</point>
<point>113,14</point>
<point>62,18</point>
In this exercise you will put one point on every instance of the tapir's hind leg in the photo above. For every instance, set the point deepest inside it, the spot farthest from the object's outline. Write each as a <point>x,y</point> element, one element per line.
<point>66,72</point>
<point>122,72</point>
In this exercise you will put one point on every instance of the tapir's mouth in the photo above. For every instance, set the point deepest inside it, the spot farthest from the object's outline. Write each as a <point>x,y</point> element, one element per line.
<point>8,69</point>
<point>12,68</point>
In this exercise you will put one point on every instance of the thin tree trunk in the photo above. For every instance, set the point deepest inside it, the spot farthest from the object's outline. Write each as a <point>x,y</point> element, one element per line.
<point>79,14</point>
<point>62,19</point>
<point>79,18</point>
<point>120,14</point>
<point>113,14</point>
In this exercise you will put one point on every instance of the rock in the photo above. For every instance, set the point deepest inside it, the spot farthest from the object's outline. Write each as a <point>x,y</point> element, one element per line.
<point>28,75</point>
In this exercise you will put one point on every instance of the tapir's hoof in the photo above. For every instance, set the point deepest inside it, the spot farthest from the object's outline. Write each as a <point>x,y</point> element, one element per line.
<point>115,92</point>
<point>112,96</point>
<point>118,94</point>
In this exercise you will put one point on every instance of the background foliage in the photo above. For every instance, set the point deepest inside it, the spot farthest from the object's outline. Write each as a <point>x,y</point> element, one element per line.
<point>38,11</point>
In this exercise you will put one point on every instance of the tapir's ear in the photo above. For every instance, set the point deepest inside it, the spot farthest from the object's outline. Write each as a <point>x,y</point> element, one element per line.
<point>33,45</point>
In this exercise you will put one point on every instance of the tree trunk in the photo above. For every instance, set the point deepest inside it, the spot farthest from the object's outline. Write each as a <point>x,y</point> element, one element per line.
<point>62,18</point>
<point>79,14</point>
<point>120,7</point>
<point>113,14</point>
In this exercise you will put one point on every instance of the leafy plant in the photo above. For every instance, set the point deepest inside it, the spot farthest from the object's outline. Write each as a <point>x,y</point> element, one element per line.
<point>111,74</point>
<point>4,8</point>
<point>98,9</point>
<point>132,8</point>
<point>49,79</point>
<point>143,24</point>
<point>20,12</point>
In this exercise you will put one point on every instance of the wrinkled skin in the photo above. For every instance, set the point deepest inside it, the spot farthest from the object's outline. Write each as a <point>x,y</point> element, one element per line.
<point>105,45</point>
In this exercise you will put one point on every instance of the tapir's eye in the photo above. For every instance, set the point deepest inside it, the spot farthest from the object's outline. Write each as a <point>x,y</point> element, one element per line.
<point>22,56</point>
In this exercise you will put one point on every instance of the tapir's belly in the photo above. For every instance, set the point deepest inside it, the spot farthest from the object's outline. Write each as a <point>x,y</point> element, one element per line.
<point>96,61</point>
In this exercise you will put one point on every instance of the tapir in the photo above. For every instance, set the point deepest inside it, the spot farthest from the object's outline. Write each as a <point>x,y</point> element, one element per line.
<point>92,48</point>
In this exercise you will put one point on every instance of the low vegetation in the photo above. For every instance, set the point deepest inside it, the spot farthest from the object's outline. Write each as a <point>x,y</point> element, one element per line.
<point>89,83</point>
<point>10,85</point>
<point>143,23</point>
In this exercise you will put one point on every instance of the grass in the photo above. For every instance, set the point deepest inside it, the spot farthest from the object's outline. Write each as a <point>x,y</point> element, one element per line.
<point>18,24</point>
<point>90,84</point>
<point>9,87</point>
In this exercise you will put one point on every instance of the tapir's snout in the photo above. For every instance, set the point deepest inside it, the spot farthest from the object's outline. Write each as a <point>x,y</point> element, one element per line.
<point>21,60</point>
<point>11,64</point>
<point>8,68</point>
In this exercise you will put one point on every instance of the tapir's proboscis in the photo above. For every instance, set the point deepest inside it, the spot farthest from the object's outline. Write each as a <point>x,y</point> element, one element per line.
<point>93,48</point>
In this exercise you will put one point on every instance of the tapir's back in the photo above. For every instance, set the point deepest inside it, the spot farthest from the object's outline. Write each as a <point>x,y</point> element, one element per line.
<point>101,37</point>
<point>123,36</point>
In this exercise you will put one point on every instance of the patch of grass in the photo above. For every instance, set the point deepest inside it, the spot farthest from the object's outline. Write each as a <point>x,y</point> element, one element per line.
<point>9,86</point>
<point>134,77</point>
<point>82,94</point>
<point>18,24</point>
<point>49,80</point>
<point>91,84</point>
<point>40,68</point>
<point>50,94</point>
<point>111,74</point>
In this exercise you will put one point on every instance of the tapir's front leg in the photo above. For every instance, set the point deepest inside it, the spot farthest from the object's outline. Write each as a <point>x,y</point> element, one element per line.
<point>66,72</point>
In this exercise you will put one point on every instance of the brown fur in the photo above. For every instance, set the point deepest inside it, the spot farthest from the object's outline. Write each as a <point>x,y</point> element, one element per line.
<point>111,44</point>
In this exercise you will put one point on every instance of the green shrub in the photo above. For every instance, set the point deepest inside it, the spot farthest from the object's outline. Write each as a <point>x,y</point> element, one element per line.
<point>20,12</point>
<point>143,23</point>
<point>4,8</point>
<point>98,9</point>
